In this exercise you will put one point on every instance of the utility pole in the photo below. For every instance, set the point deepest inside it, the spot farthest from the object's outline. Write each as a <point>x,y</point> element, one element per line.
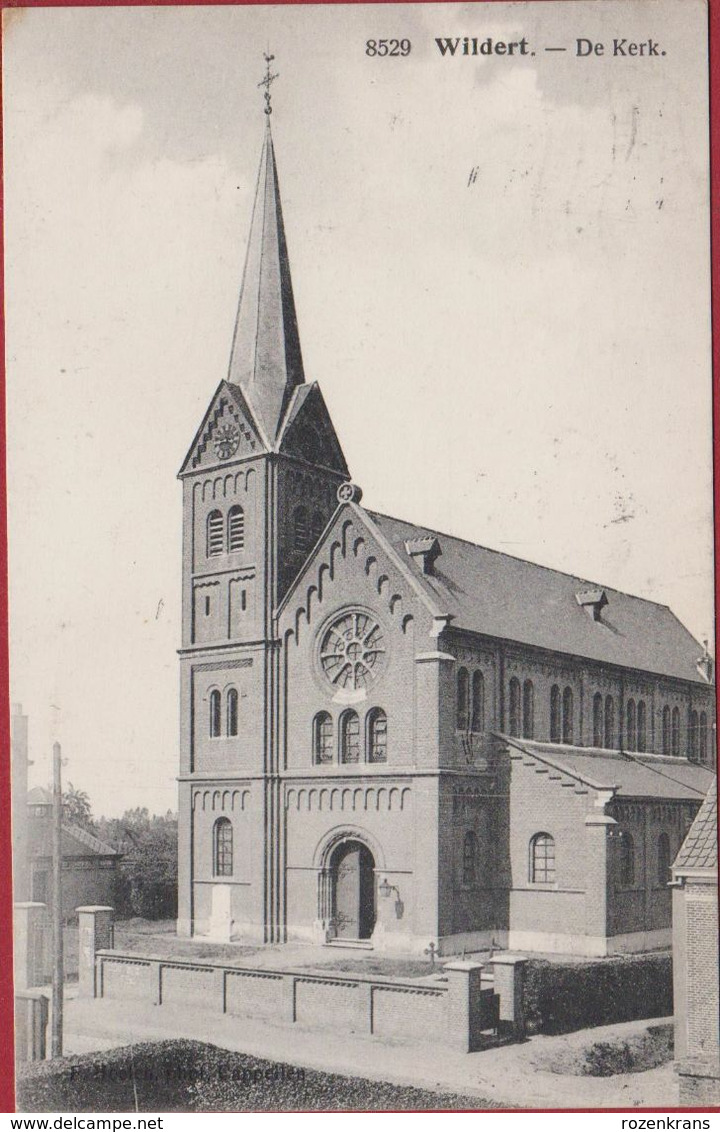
<point>57,919</point>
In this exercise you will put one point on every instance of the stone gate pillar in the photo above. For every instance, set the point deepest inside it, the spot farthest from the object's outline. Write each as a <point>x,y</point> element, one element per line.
<point>463,1004</point>
<point>97,930</point>
<point>509,979</point>
<point>29,925</point>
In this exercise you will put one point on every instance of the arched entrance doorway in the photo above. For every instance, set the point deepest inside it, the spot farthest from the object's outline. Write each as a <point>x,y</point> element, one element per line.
<point>352,879</point>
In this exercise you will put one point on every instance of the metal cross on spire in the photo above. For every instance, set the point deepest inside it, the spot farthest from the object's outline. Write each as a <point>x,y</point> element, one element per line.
<point>267,81</point>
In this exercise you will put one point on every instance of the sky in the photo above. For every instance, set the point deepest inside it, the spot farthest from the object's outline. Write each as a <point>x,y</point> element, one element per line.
<point>501,272</point>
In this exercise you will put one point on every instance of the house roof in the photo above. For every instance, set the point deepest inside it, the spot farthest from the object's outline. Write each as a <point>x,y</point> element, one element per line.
<point>76,841</point>
<point>89,841</point>
<point>699,850</point>
<point>488,592</point>
<point>39,796</point>
<point>630,775</point>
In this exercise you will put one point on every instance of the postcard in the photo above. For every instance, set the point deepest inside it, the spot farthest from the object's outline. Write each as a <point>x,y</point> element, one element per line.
<point>360,517</point>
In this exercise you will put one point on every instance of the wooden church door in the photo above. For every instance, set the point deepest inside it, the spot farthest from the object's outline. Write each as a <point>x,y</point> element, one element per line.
<point>354,891</point>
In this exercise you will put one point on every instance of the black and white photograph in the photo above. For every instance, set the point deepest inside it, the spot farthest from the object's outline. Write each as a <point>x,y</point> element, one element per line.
<point>360,541</point>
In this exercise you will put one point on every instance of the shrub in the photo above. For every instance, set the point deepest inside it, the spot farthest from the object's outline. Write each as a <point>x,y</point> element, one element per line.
<point>560,997</point>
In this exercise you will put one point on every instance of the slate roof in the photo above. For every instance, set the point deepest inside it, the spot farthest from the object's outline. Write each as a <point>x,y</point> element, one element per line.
<point>699,850</point>
<point>39,796</point>
<point>496,594</point>
<point>634,776</point>
<point>76,842</point>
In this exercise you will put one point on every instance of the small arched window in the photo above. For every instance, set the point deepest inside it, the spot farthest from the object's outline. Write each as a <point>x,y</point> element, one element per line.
<point>301,530</point>
<point>666,740</point>
<point>703,737</point>
<point>232,711</point>
<point>663,859</point>
<point>514,721</point>
<point>317,526</point>
<point>542,859</point>
<point>236,528</point>
<point>469,870</point>
<point>641,726</point>
<point>555,714</point>
<point>626,864</point>
<point>349,737</point>
<point>463,689</point>
<point>477,722</point>
<point>377,736</point>
<point>693,734</point>
<point>215,538</point>
<point>609,722</point>
<point>323,738</point>
<point>528,727</point>
<point>222,848</point>
<point>215,714</point>
<point>675,730</point>
<point>631,726</point>
<point>597,720</point>
<point>568,714</point>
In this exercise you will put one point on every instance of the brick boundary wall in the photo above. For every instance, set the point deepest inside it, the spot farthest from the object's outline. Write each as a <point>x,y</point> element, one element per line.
<point>453,1014</point>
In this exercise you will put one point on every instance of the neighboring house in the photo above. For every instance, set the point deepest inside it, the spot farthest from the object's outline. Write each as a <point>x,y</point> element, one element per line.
<point>89,866</point>
<point>390,735</point>
<point>695,959</point>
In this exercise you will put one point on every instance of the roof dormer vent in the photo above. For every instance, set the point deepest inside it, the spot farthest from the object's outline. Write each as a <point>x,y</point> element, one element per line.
<point>424,551</point>
<point>705,664</point>
<point>594,601</point>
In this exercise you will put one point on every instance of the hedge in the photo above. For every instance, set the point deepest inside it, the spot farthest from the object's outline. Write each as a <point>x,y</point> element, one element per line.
<point>188,1076</point>
<point>559,997</point>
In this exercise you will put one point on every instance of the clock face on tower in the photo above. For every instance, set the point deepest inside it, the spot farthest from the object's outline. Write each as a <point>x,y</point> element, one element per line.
<point>227,439</point>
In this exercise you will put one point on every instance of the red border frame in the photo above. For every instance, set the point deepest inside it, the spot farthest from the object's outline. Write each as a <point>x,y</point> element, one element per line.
<point>7,1086</point>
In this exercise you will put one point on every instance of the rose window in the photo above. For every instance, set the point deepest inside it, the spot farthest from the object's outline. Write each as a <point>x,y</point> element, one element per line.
<point>351,651</point>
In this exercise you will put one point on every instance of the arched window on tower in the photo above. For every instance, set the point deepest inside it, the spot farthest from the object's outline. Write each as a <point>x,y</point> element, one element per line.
<point>317,526</point>
<point>232,711</point>
<point>555,714</point>
<point>477,723</point>
<point>597,720</point>
<point>377,736</point>
<point>542,859</point>
<point>463,689</point>
<point>641,726</point>
<point>514,719</point>
<point>631,725</point>
<point>693,735</point>
<point>675,731</point>
<point>215,539</point>
<point>322,738</point>
<point>469,870</point>
<point>215,714</point>
<point>703,737</point>
<point>528,727</point>
<point>236,528</point>
<point>349,737</point>
<point>222,848</point>
<point>663,859</point>
<point>666,732</point>
<point>568,716</point>
<point>609,722</point>
<point>301,530</point>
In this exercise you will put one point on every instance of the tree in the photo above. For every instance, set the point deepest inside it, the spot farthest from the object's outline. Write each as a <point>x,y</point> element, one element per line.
<point>77,809</point>
<point>148,869</point>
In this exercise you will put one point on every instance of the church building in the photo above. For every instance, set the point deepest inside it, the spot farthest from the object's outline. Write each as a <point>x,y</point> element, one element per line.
<point>391,736</point>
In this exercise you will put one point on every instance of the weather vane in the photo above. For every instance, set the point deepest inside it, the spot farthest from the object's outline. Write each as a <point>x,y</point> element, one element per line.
<point>267,81</point>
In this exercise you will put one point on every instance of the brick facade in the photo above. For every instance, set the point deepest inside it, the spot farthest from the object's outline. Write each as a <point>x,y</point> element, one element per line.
<point>695,960</point>
<point>391,735</point>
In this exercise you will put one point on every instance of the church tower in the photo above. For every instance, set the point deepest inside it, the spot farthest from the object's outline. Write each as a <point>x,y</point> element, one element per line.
<point>260,484</point>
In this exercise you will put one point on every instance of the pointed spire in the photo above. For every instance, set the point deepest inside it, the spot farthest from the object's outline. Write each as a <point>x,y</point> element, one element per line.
<point>266,360</point>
